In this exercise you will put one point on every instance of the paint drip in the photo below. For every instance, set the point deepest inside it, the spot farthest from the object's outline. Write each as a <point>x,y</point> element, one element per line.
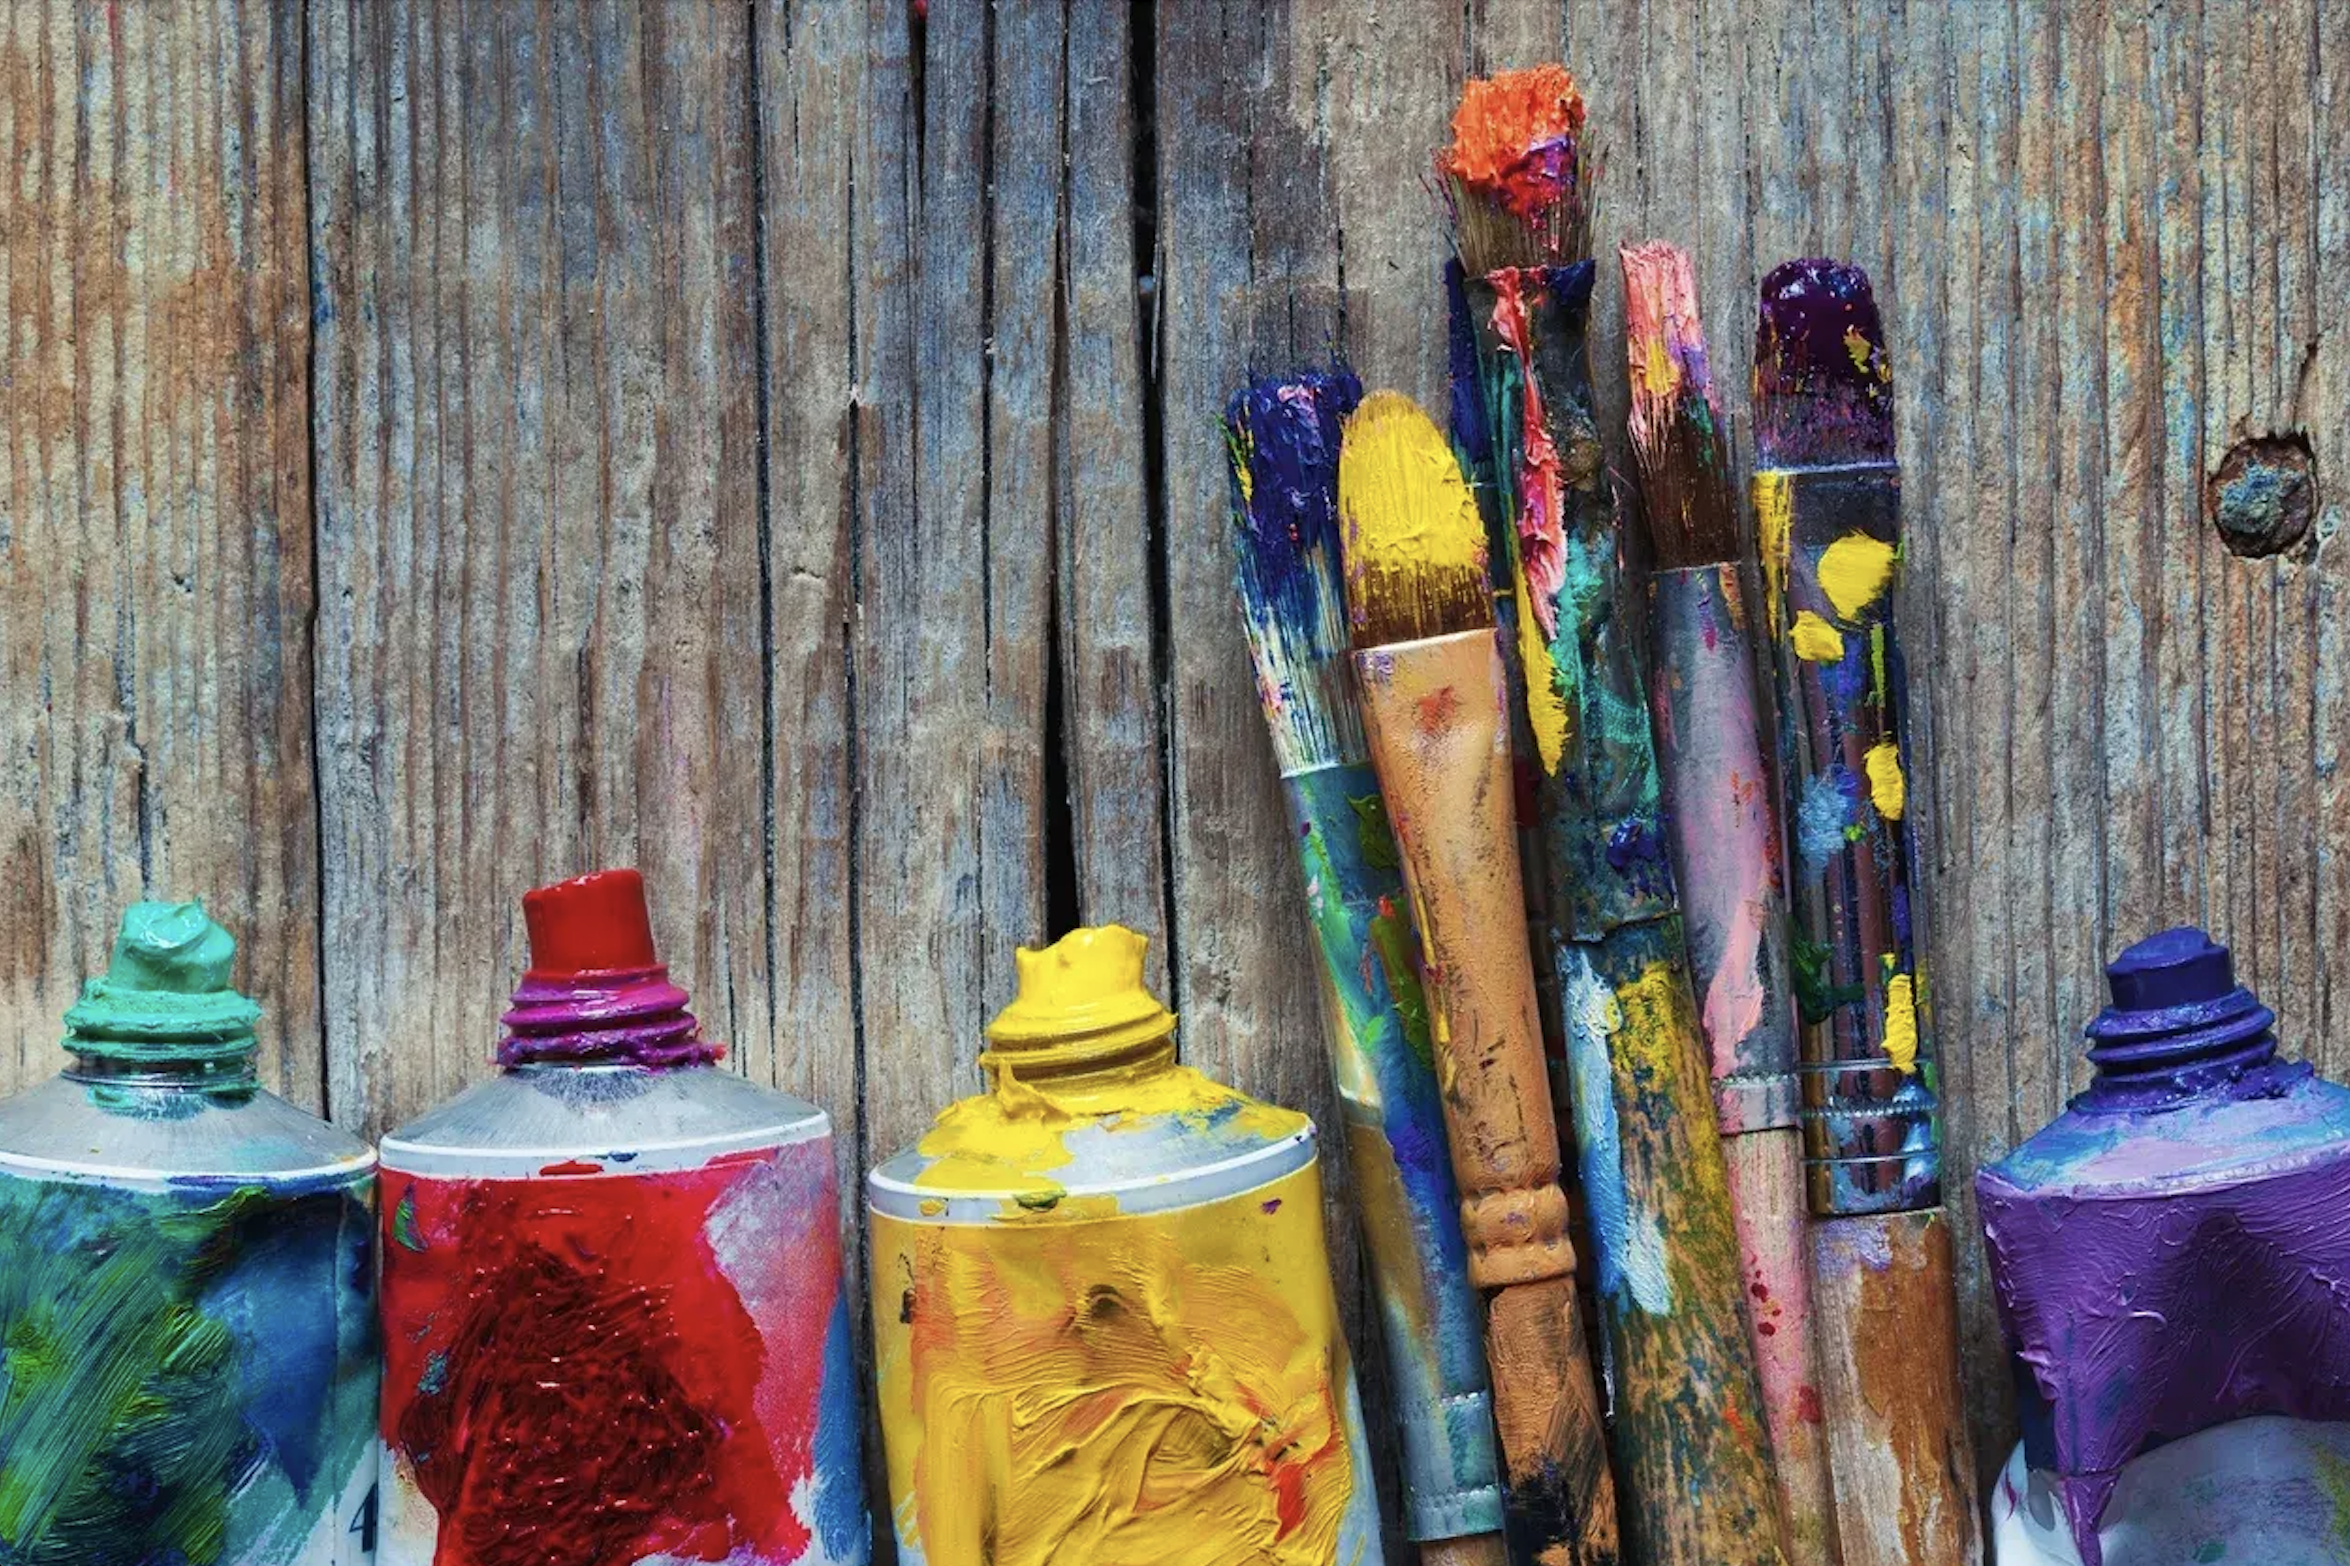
<point>2167,1254</point>
<point>614,1319</point>
<point>187,1330</point>
<point>1142,1362</point>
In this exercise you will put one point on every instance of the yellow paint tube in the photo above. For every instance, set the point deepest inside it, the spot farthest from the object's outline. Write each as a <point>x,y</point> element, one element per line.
<point>1104,1328</point>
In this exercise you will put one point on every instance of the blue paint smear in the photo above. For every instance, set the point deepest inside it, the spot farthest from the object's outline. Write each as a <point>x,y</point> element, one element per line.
<point>1820,820</point>
<point>280,1304</point>
<point>840,1522</point>
<point>1285,432</point>
<point>1460,354</point>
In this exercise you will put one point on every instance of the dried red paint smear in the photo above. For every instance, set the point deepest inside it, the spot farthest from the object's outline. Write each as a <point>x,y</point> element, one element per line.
<point>573,1378</point>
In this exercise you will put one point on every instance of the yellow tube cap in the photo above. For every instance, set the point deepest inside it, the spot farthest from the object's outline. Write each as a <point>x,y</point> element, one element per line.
<point>1087,986</point>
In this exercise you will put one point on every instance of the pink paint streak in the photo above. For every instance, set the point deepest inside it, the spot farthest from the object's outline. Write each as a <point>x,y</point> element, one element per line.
<point>1541,529</point>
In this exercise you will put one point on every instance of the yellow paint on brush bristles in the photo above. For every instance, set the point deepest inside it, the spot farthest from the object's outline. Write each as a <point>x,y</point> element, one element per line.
<point>1402,501</point>
<point>1854,571</point>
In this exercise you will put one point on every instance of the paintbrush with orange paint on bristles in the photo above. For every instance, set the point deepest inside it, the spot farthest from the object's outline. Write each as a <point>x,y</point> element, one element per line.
<point>1282,436</point>
<point>1827,505</point>
<point>1722,830</point>
<point>1690,1439</point>
<point>1435,716</point>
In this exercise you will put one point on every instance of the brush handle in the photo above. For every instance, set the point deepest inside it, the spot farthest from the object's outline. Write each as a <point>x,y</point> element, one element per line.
<point>1688,1418</point>
<point>1435,719</point>
<point>1829,540</point>
<point>1774,1239</point>
<point>1723,833</point>
<point>1689,1427</point>
<point>1382,1058</point>
<point>1895,1416</point>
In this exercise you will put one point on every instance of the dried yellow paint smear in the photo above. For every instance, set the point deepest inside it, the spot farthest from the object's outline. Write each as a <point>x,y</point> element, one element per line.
<point>1546,706</point>
<point>1854,571</point>
<point>1400,491</point>
<point>1655,1020</point>
<point>1816,641</point>
<point>1901,1024</point>
<point>1888,788</point>
<point>1659,372</point>
<point>1774,526</point>
<point>1165,1387</point>
<point>1856,343</point>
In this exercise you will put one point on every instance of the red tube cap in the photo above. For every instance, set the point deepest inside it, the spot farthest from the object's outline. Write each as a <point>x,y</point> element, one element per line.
<point>589,924</point>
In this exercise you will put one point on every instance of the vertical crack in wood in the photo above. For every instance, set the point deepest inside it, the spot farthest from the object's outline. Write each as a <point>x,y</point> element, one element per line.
<point>1149,191</point>
<point>763,390</point>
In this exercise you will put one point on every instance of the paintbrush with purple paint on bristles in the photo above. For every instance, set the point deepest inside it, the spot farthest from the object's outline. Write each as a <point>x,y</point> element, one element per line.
<point>1721,826</point>
<point>1435,713</point>
<point>1282,436</point>
<point>1827,501</point>
<point>1691,1445</point>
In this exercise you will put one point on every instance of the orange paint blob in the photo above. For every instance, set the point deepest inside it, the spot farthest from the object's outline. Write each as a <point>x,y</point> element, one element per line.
<point>1514,135</point>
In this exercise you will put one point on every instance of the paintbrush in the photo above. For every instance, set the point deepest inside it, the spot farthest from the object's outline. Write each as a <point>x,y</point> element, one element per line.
<point>1722,833</point>
<point>1827,501</point>
<point>1690,1439</point>
<point>1435,717</point>
<point>1282,435</point>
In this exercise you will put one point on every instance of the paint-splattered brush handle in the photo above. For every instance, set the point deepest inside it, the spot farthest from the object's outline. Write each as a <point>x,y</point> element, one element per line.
<point>1690,1432</point>
<point>1829,539</point>
<point>1435,718</point>
<point>1893,1408</point>
<point>1723,833</point>
<point>1383,1058</point>
<point>1688,1422</point>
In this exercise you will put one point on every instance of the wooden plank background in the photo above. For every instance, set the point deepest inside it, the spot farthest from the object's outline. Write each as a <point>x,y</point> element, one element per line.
<point>446,445</point>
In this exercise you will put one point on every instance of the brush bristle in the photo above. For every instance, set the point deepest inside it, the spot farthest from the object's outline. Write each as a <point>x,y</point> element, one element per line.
<point>1412,536</point>
<point>1282,436</point>
<point>1519,171</point>
<point>1679,442</point>
<point>1823,388</point>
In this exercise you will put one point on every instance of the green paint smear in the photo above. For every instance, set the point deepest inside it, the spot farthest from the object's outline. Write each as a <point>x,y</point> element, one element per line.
<point>2334,1473</point>
<point>404,1233</point>
<point>123,1429</point>
<point>2211,1550</point>
<point>1815,997</point>
<point>1374,834</point>
<point>1391,938</point>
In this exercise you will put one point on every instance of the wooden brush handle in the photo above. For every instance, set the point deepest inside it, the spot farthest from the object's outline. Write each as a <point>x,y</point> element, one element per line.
<point>1689,1428</point>
<point>1435,717</point>
<point>1904,1470</point>
<point>1774,1242</point>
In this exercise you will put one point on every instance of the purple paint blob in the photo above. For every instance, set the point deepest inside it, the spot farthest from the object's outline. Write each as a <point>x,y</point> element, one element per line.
<point>1823,389</point>
<point>2172,1252</point>
<point>1285,432</point>
<point>632,1017</point>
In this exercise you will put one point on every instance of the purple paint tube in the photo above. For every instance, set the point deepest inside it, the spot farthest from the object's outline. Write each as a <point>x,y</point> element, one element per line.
<point>2170,1253</point>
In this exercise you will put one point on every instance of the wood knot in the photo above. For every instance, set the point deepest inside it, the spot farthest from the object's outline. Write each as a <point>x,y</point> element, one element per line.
<point>2263,494</point>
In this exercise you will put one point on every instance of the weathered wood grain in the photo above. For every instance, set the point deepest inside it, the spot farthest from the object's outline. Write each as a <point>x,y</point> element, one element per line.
<point>536,441</point>
<point>811,78</point>
<point>775,444</point>
<point>155,537</point>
